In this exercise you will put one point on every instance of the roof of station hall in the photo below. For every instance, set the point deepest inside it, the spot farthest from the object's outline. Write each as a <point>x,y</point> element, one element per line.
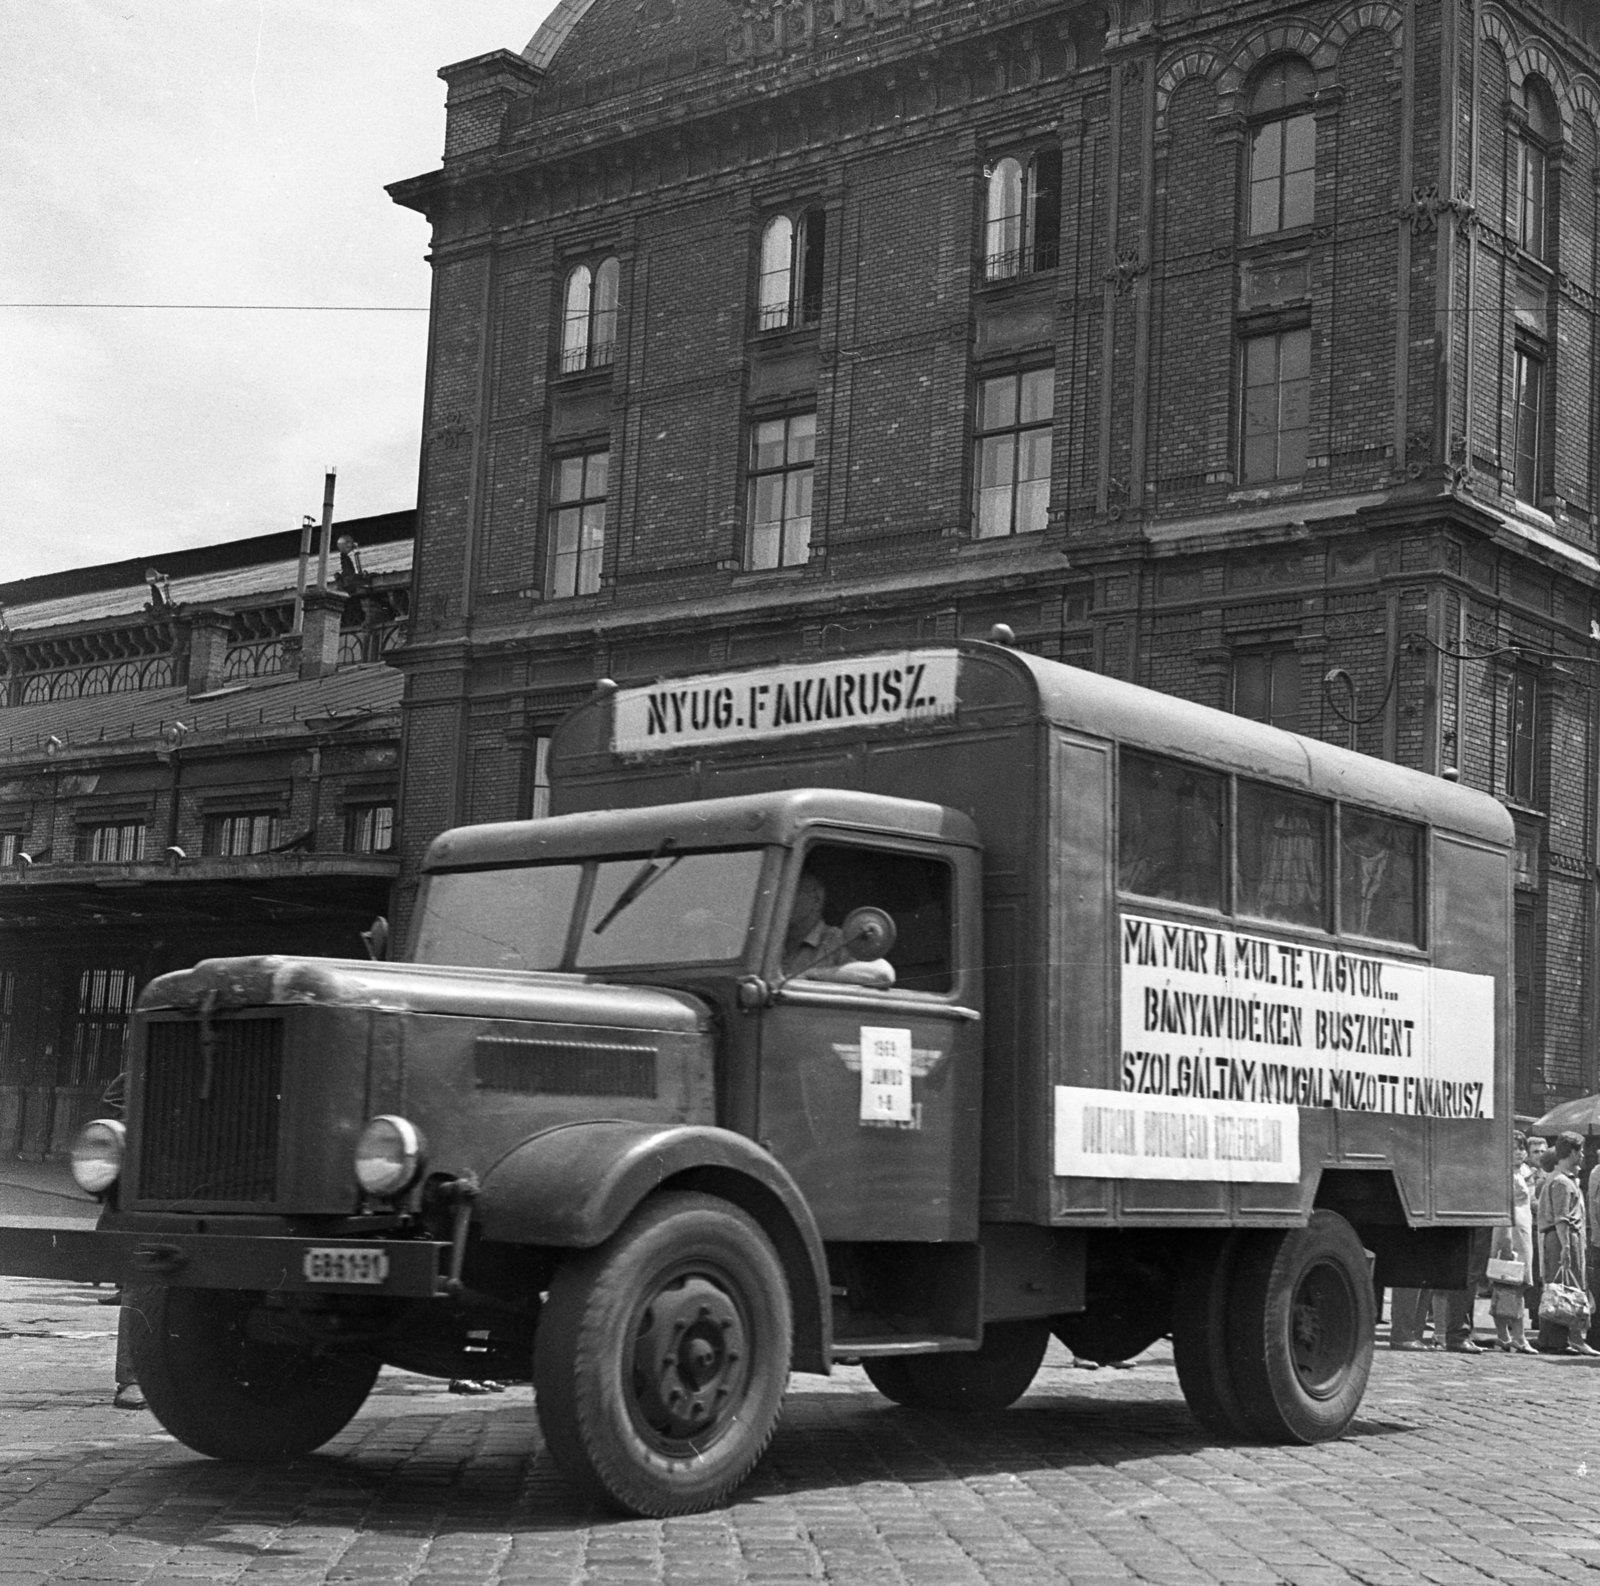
<point>588,38</point>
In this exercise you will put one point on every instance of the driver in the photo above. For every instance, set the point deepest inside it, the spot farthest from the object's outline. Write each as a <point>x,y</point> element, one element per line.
<point>815,950</point>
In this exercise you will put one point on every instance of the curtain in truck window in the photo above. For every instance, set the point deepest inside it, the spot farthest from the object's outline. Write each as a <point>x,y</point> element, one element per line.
<point>1171,831</point>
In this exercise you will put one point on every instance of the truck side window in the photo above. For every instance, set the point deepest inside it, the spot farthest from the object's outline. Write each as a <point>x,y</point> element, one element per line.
<point>1170,838</point>
<point>914,891</point>
<point>1283,855</point>
<point>1378,876</point>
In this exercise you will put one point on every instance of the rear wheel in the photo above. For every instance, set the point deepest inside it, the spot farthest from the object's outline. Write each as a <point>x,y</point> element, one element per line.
<point>1200,1318</point>
<point>989,1378</point>
<point>226,1394</point>
<point>1300,1330</point>
<point>662,1357</point>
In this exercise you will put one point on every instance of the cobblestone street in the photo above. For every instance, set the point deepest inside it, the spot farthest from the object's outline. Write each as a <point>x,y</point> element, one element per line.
<point>1451,1474</point>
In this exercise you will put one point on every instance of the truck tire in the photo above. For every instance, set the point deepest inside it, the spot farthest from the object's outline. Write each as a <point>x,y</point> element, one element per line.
<point>662,1357</point>
<point>223,1394</point>
<point>989,1378</point>
<point>1300,1330</point>
<point>1200,1335</point>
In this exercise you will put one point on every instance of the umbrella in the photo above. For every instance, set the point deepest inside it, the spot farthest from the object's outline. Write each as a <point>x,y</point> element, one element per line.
<point>1581,1116</point>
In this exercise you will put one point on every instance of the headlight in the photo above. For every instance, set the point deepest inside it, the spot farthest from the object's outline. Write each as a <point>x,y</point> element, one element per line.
<point>388,1155</point>
<point>97,1154</point>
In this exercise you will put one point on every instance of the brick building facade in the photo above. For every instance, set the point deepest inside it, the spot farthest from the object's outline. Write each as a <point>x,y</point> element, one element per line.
<point>1245,350</point>
<point>185,773</point>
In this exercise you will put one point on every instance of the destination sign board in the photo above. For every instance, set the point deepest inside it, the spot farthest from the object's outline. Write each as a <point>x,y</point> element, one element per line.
<point>780,701</point>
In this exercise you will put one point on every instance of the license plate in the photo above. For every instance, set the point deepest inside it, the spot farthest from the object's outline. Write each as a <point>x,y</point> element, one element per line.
<point>322,1265</point>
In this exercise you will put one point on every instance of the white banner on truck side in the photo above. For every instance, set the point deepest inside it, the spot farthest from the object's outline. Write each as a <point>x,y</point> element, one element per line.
<point>778,701</point>
<point>1225,1016</point>
<point>1110,1134</point>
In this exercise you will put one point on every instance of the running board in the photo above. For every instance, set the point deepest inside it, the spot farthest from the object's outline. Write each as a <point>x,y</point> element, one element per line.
<point>878,1346</point>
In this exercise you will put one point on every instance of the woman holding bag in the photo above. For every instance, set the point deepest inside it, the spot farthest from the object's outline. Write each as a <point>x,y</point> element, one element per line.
<point>1563,1237</point>
<point>1512,1262</point>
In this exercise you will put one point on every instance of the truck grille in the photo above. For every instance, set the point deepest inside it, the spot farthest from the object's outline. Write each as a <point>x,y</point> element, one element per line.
<point>210,1127</point>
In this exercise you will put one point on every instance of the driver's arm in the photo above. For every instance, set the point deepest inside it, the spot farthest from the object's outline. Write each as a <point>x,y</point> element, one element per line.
<point>877,973</point>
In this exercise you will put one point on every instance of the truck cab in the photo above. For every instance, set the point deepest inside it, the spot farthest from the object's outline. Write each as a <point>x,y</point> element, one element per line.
<point>709,899</point>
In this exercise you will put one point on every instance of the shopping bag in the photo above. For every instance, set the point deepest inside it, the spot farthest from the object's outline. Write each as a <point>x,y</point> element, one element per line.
<point>1505,1269</point>
<point>1505,1300</point>
<point>1563,1303</point>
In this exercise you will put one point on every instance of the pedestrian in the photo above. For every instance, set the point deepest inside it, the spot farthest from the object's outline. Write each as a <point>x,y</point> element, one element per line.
<point>1591,1207</point>
<point>1562,1221</point>
<point>128,1395</point>
<point>1409,1311</point>
<point>1514,1248</point>
<point>1459,1304</point>
<point>1533,1180</point>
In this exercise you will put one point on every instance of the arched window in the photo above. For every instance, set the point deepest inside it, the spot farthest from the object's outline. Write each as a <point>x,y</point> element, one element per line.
<point>589,316</point>
<point>789,278</point>
<point>1283,147</point>
<point>1022,215</point>
<point>1542,133</point>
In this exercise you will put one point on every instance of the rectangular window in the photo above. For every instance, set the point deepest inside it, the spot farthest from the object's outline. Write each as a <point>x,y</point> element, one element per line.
<point>539,777</point>
<point>1524,945</point>
<point>112,843</point>
<point>10,846</point>
<point>1528,402</point>
<point>1277,406</point>
<point>1283,856</point>
<point>8,1021</point>
<point>1171,831</point>
<point>1531,181</point>
<point>1522,736</point>
<point>1266,687</point>
<point>100,1032</point>
<point>577,524</point>
<point>1379,867</point>
<point>1011,462</point>
<point>1283,171</point>
<point>369,829</point>
<point>1022,215</point>
<point>230,836</point>
<point>790,276</point>
<point>782,457</point>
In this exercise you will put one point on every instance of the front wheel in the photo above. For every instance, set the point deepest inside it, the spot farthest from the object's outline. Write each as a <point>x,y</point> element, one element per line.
<point>227,1394</point>
<point>989,1378</point>
<point>662,1357</point>
<point>1300,1330</point>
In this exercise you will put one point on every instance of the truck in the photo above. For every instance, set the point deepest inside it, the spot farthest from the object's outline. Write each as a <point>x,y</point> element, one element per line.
<point>903,1009</point>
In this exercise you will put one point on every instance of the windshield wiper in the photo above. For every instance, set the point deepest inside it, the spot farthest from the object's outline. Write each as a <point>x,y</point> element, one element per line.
<point>650,872</point>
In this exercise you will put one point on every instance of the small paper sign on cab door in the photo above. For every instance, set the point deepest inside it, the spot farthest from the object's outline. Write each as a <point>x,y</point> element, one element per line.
<point>885,1075</point>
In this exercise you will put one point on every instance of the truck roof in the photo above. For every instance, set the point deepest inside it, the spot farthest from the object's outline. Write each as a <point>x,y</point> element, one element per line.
<point>1143,718</point>
<point>748,821</point>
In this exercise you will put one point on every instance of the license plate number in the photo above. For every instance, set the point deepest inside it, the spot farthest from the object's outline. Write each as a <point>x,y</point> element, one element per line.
<point>322,1265</point>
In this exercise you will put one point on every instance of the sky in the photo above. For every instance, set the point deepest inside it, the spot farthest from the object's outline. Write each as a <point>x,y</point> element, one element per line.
<point>214,152</point>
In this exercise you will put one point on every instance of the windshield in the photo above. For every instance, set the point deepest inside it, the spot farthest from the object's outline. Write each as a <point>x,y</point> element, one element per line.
<point>697,911</point>
<point>694,909</point>
<point>498,919</point>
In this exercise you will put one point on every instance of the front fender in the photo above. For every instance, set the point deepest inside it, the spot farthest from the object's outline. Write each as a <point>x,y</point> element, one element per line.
<point>573,1186</point>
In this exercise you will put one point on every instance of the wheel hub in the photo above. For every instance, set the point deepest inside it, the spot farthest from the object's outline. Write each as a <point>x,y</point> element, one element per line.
<point>1322,1322</point>
<point>689,1357</point>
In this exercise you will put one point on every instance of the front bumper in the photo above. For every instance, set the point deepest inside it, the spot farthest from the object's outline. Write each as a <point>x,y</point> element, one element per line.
<point>273,1264</point>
